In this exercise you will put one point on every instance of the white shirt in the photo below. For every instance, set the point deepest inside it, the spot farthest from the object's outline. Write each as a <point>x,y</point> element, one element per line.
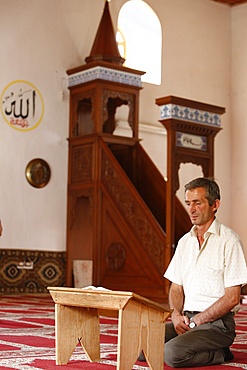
<point>205,273</point>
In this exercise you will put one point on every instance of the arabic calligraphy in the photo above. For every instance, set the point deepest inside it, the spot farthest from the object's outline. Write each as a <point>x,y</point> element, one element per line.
<point>22,105</point>
<point>191,141</point>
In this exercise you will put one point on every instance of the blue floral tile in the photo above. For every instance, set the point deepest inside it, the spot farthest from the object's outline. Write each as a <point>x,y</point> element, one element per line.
<point>107,74</point>
<point>189,114</point>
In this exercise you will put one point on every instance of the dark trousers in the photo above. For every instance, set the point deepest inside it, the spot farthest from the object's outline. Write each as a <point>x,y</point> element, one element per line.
<point>200,346</point>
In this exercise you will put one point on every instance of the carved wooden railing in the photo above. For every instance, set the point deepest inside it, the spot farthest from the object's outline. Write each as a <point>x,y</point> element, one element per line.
<point>117,215</point>
<point>135,211</point>
<point>132,207</point>
<point>155,193</point>
<point>151,185</point>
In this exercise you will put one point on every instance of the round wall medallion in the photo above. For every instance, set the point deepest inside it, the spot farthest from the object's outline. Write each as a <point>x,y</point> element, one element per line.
<point>38,173</point>
<point>22,105</point>
<point>115,256</point>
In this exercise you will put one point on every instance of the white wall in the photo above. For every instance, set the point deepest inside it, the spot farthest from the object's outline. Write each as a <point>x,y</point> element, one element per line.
<point>239,122</point>
<point>42,39</point>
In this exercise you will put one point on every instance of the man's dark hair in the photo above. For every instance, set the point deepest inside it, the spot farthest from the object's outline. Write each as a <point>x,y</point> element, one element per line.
<point>211,187</point>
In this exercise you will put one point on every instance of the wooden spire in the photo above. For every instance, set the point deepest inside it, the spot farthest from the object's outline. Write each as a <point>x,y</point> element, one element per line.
<point>105,47</point>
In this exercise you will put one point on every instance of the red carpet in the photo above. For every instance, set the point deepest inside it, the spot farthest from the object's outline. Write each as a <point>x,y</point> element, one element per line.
<point>27,338</point>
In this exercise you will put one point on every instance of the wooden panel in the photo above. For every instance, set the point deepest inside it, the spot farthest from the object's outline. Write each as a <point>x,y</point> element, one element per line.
<point>125,263</point>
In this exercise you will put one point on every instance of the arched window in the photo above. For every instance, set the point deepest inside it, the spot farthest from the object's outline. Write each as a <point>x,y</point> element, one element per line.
<point>140,39</point>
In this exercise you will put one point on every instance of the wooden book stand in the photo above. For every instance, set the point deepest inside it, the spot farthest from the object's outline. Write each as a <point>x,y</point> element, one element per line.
<point>141,325</point>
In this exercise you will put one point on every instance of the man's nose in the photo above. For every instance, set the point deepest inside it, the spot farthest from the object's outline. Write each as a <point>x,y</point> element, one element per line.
<point>191,208</point>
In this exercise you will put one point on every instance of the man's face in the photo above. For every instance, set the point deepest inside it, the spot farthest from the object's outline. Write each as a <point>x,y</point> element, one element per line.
<point>198,208</point>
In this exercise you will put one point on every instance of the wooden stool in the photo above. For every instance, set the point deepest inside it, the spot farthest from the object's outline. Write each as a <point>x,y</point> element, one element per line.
<point>141,325</point>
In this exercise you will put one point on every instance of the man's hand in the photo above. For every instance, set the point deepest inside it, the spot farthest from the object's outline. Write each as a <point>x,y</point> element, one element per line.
<point>181,323</point>
<point>176,301</point>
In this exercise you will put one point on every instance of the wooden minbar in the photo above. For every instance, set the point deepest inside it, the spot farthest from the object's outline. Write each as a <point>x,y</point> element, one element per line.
<point>141,325</point>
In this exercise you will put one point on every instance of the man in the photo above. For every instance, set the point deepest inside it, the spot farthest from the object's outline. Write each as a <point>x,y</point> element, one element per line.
<point>206,274</point>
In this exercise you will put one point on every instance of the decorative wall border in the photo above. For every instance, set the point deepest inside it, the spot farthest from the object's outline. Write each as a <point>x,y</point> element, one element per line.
<point>17,276</point>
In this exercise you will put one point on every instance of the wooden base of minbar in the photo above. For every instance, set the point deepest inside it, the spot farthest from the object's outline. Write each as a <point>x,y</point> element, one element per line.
<point>141,325</point>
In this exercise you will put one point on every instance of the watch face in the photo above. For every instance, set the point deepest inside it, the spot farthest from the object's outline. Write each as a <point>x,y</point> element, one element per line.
<point>192,324</point>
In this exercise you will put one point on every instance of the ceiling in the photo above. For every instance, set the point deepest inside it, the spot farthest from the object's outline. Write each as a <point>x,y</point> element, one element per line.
<point>231,2</point>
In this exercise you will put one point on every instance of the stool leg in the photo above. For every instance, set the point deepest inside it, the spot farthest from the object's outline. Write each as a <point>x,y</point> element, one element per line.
<point>140,328</point>
<point>73,325</point>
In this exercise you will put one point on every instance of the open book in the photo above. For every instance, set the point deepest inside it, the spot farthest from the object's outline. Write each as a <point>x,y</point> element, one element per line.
<point>91,287</point>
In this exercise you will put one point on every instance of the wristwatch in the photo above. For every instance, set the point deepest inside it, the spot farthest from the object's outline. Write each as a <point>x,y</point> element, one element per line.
<point>192,323</point>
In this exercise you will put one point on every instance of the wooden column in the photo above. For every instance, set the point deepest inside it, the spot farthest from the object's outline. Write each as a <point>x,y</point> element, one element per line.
<point>191,129</point>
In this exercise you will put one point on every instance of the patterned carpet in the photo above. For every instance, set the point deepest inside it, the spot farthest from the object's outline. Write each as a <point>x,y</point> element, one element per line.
<point>27,338</point>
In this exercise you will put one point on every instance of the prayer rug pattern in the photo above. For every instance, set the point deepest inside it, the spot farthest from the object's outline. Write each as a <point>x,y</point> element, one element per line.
<point>27,338</point>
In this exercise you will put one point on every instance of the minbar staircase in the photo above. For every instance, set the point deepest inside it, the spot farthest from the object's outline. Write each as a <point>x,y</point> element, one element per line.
<point>117,215</point>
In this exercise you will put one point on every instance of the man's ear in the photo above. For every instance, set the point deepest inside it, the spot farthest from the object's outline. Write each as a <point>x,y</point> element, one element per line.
<point>216,205</point>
